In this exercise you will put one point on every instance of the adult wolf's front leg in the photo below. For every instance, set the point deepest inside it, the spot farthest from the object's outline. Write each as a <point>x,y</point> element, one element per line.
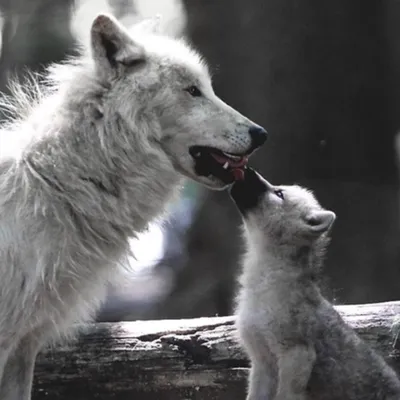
<point>18,371</point>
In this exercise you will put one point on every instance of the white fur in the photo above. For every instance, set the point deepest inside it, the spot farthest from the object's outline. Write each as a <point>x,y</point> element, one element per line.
<point>89,160</point>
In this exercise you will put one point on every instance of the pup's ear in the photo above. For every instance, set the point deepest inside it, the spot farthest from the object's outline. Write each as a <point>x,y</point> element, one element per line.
<point>148,25</point>
<point>320,221</point>
<point>112,46</point>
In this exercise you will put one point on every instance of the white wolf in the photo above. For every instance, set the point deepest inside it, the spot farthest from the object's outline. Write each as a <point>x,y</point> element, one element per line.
<point>90,160</point>
<point>299,346</point>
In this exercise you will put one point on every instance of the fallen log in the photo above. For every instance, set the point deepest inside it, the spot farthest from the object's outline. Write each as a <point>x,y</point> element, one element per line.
<point>177,359</point>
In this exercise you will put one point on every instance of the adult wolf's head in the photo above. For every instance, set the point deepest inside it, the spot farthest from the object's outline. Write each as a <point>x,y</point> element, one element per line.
<point>161,82</point>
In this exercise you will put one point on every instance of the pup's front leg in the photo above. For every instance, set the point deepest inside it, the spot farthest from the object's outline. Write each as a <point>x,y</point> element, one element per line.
<point>295,366</point>
<point>18,372</point>
<point>261,382</point>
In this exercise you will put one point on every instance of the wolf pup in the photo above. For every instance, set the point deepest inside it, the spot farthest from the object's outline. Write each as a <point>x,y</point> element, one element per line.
<point>299,346</point>
<point>89,160</point>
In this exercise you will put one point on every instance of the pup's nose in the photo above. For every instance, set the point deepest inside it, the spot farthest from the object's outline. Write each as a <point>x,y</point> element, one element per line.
<point>258,136</point>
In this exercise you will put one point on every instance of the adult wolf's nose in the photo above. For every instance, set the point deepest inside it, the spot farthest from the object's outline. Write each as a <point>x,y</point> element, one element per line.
<point>258,136</point>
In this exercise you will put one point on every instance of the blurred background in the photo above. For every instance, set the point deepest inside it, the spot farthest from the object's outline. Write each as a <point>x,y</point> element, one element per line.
<point>322,77</point>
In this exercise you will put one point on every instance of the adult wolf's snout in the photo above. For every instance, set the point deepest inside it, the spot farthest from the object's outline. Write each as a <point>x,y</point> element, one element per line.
<point>258,136</point>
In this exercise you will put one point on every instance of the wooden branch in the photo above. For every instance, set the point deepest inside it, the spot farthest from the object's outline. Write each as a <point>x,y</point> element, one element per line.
<point>176,359</point>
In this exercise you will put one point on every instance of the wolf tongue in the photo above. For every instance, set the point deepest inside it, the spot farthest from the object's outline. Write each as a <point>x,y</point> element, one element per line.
<point>238,174</point>
<point>238,164</point>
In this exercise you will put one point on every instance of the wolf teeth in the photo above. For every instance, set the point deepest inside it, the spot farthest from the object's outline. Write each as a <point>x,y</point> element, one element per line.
<point>232,157</point>
<point>226,165</point>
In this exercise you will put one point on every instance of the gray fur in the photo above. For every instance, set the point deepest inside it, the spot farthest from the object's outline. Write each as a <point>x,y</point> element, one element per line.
<point>299,346</point>
<point>88,161</point>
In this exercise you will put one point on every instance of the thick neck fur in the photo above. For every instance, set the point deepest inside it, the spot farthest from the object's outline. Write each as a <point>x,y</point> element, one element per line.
<point>86,161</point>
<point>267,256</point>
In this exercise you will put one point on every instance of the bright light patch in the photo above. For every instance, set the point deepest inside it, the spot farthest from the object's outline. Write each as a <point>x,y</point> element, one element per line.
<point>148,248</point>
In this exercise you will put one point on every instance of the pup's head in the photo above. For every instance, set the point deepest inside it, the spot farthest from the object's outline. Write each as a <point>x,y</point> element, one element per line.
<point>287,215</point>
<point>162,81</point>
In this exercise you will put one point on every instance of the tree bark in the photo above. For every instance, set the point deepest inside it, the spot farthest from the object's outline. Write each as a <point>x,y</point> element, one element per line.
<point>177,359</point>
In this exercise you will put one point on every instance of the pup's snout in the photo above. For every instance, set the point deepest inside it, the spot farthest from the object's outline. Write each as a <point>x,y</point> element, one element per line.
<point>258,136</point>
<point>248,192</point>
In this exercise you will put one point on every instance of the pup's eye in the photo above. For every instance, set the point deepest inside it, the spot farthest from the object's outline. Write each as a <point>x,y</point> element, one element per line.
<point>279,193</point>
<point>194,91</point>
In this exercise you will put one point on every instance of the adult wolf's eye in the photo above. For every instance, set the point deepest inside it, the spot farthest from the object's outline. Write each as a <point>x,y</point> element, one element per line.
<point>194,91</point>
<point>279,193</point>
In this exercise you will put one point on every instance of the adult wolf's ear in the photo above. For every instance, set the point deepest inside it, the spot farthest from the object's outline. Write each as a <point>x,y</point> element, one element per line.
<point>320,221</point>
<point>112,46</point>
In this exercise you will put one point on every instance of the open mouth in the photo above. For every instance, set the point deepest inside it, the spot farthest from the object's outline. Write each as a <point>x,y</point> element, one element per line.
<point>227,167</point>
